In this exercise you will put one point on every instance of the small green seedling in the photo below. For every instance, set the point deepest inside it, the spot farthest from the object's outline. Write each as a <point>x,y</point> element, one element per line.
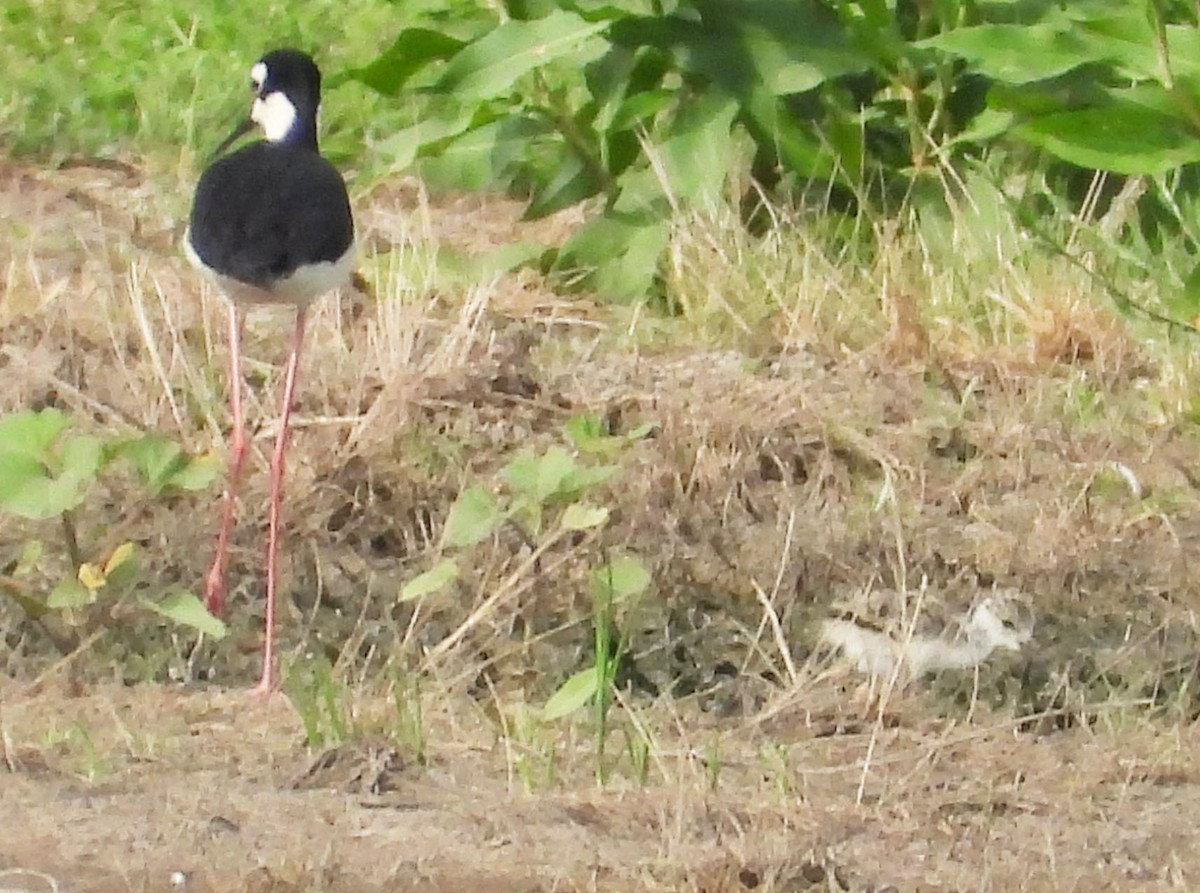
<point>616,585</point>
<point>47,472</point>
<point>543,494</point>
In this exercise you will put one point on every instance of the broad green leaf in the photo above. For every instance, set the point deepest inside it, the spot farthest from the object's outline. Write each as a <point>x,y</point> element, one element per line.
<point>402,148</point>
<point>122,566</point>
<point>161,463</point>
<point>431,581</point>
<point>469,161</point>
<point>580,516</point>
<point>187,610</point>
<point>619,252</point>
<point>27,488</point>
<point>69,593</point>
<point>22,485</point>
<point>198,473</point>
<point>483,155</point>
<point>81,458</point>
<point>621,578</point>
<point>473,517</point>
<point>528,513</point>
<point>640,107</point>
<point>1125,139</point>
<point>582,478</point>
<point>790,63</point>
<point>588,435</point>
<point>570,184</point>
<point>412,50</point>
<point>1017,54</point>
<point>539,477</point>
<point>698,157</point>
<point>490,66</point>
<point>773,125</point>
<point>121,555</point>
<point>572,694</point>
<point>154,457</point>
<point>31,434</point>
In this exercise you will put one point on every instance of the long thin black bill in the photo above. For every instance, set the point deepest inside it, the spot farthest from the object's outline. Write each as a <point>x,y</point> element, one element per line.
<point>238,132</point>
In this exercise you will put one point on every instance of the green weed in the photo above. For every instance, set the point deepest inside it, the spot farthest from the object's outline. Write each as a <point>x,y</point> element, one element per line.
<point>46,475</point>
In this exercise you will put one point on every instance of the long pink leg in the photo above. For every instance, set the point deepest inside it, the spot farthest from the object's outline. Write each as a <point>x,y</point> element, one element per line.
<point>214,583</point>
<point>267,683</point>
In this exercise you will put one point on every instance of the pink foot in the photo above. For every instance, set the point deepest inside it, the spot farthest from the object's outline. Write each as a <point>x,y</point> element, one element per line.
<point>267,686</point>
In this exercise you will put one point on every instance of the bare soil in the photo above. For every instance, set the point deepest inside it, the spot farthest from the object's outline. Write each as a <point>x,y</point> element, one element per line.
<point>773,484</point>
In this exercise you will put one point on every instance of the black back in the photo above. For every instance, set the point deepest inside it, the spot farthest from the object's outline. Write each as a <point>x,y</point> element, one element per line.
<point>266,210</point>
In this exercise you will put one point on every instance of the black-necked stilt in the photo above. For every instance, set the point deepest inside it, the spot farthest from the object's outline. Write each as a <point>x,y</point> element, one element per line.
<point>271,223</point>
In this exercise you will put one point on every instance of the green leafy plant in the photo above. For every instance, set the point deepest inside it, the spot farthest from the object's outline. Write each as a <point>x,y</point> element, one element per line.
<point>546,497</point>
<point>616,585</point>
<point>652,112</point>
<point>47,473</point>
<point>648,110</point>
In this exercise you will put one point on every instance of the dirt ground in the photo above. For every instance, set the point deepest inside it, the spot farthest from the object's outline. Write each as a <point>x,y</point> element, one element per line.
<point>215,791</point>
<point>756,504</point>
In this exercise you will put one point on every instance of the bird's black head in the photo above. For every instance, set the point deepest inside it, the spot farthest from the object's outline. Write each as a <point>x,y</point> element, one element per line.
<point>287,94</point>
<point>290,72</point>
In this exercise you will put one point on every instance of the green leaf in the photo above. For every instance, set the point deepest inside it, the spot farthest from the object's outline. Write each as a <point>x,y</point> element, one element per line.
<point>412,50</point>
<point>699,155</point>
<point>433,580</point>
<point>198,473</point>
<point>1124,138</point>
<point>402,148</point>
<point>572,694</point>
<point>32,434</point>
<point>28,489</point>
<point>482,156</point>
<point>161,464</point>
<point>69,593</point>
<point>1018,54</point>
<point>490,66</point>
<point>640,107</point>
<point>580,516</point>
<point>81,457</point>
<point>22,485</point>
<point>473,517</point>
<point>584,478</point>
<point>187,610</point>
<point>621,578</point>
<point>570,184</point>
<point>539,477</point>
<point>619,252</point>
<point>122,566</point>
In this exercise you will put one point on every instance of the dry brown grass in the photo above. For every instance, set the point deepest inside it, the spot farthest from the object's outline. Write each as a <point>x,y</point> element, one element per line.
<point>821,427</point>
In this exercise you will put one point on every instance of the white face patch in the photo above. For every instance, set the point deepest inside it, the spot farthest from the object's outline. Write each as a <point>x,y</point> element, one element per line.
<point>258,76</point>
<point>275,114</point>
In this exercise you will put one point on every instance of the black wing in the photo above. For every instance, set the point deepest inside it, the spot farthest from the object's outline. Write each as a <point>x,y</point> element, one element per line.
<point>266,210</point>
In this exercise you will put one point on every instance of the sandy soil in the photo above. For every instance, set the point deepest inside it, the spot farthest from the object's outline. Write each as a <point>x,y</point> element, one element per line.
<point>159,788</point>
